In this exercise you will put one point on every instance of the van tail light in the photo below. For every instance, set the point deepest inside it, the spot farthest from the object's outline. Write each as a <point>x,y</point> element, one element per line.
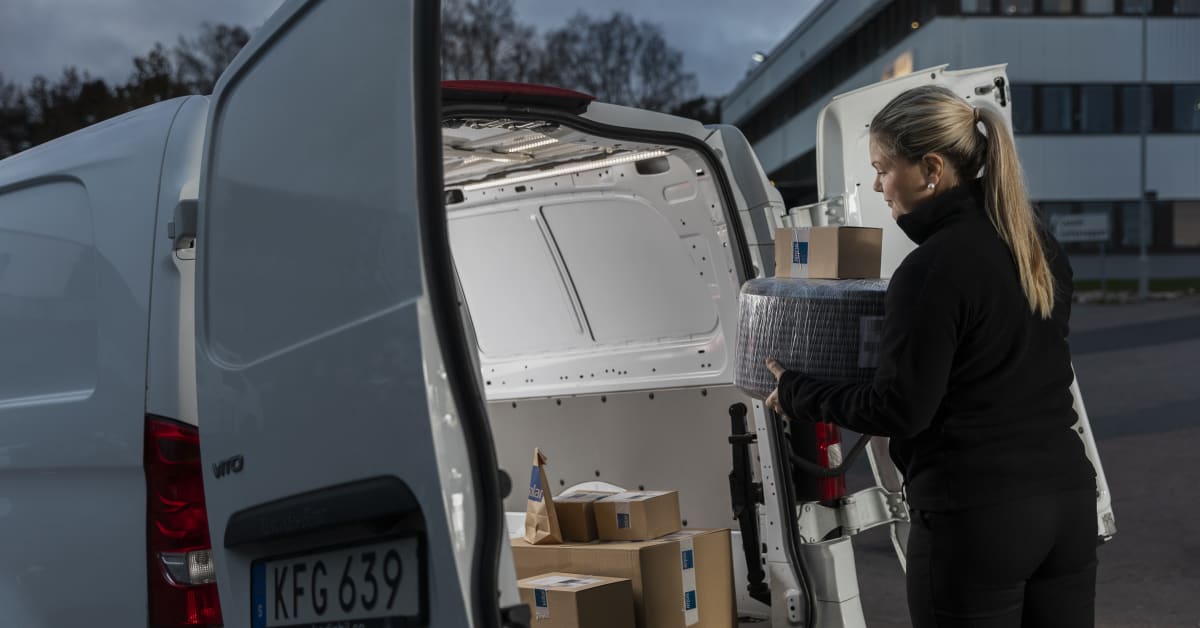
<point>829,455</point>
<point>182,578</point>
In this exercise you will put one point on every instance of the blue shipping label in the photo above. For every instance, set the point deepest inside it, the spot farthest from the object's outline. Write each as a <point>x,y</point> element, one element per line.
<point>689,600</point>
<point>535,485</point>
<point>688,559</point>
<point>539,598</point>
<point>799,252</point>
<point>623,521</point>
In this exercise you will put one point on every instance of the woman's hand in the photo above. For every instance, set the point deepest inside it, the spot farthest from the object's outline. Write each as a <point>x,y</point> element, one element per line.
<point>773,401</point>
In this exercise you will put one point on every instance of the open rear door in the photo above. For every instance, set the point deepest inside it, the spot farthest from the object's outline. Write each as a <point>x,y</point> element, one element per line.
<point>349,473</point>
<point>845,179</point>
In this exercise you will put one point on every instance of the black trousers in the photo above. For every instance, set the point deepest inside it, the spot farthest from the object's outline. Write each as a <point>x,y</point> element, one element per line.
<point>1029,564</point>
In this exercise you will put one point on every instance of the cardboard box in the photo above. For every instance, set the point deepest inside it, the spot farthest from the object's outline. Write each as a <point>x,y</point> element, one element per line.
<point>637,516</point>
<point>567,600</point>
<point>576,515</point>
<point>684,580</point>
<point>828,252</point>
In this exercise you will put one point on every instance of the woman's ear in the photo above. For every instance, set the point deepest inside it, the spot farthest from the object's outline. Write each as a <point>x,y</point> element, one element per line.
<point>932,166</point>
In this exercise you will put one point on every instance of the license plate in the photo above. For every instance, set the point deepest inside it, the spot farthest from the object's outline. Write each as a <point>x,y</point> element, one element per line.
<point>365,586</point>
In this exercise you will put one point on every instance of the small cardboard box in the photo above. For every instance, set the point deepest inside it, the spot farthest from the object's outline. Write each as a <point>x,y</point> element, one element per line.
<point>567,600</point>
<point>828,252</point>
<point>576,516</point>
<point>637,516</point>
<point>684,580</point>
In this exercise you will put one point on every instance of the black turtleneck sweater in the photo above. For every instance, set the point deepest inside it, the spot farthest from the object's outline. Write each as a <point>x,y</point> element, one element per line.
<point>972,387</point>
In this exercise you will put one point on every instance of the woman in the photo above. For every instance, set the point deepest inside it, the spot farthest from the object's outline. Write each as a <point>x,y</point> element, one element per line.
<point>973,381</point>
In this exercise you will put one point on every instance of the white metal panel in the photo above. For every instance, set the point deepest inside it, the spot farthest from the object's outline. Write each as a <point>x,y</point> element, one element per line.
<point>633,270</point>
<point>520,296</point>
<point>1173,48</point>
<point>624,439</point>
<point>843,162</point>
<point>1039,50</point>
<point>633,118</point>
<point>83,209</point>
<point>1173,166</point>
<point>49,308</point>
<point>1080,168</point>
<point>650,358</point>
<point>310,284</point>
<point>171,376</point>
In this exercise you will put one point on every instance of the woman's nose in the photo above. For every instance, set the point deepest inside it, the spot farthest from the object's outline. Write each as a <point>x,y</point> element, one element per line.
<point>878,187</point>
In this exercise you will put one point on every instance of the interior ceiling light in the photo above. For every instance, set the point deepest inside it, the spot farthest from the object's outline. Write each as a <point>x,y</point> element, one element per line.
<point>567,169</point>
<point>520,148</point>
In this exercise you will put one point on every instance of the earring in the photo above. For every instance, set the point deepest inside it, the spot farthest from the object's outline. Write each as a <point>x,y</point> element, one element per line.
<point>930,186</point>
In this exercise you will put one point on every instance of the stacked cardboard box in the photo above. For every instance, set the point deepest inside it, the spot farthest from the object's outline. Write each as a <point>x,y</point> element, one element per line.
<point>637,516</point>
<point>576,515</point>
<point>682,580</point>
<point>567,600</point>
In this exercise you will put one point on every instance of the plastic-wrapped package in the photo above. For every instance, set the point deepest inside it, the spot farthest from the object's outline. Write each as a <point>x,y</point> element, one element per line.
<point>824,328</point>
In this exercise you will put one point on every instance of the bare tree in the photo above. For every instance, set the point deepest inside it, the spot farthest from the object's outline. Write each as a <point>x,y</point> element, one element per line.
<point>153,79</point>
<point>482,39</point>
<point>14,118</point>
<point>618,60</point>
<point>200,61</point>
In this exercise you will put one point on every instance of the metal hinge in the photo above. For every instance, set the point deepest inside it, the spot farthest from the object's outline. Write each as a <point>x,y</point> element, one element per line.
<point>864,510</point>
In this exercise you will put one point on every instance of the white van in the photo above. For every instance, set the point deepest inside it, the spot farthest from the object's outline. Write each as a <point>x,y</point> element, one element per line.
<point>102,518</point>
<point>401,288</point>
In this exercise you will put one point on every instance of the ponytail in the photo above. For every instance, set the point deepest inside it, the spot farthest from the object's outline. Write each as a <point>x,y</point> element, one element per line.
<point>933,119</point>
<point>1009,209</point>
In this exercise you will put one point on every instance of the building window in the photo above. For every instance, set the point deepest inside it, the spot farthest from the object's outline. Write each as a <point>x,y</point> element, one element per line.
<point>1058,7</point>
<point>1056,109</point>
<point>1016,7</point>
<point>1131,108</point>
<point>1096,109</point>
<point>1098,7</point>
<point>1185,108</point>
<point>1022,108</point>
<point>977,7</point>
<point>1131,226</point>
<point>1185,224</point>
<point>1186,7</point>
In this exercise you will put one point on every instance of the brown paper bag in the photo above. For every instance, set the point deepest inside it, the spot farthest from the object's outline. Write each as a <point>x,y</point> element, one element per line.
<point>541,523</point>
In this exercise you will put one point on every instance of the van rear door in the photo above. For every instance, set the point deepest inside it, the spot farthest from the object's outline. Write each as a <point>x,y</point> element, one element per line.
<point>349,471</point>
<point>845,180</point>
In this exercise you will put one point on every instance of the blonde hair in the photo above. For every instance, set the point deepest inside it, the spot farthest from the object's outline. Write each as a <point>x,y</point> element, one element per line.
<point>933,119</point>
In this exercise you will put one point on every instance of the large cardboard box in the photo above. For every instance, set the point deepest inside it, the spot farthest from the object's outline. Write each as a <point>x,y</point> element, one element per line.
<point>637,516</point>
<point>576,515</point>
<point>828,252</point>
<point>684,580</point>
<point>567,600</point>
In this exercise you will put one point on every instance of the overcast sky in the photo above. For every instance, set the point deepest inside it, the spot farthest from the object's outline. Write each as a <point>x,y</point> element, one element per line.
<point>717,37</point>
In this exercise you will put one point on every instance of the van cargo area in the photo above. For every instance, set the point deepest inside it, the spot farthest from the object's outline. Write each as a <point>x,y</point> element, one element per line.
<point>601,285</point>
<point>601,281</point>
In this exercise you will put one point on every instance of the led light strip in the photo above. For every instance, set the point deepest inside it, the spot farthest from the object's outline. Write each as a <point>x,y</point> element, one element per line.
<point>520,148</point>
<point>572,169</point>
